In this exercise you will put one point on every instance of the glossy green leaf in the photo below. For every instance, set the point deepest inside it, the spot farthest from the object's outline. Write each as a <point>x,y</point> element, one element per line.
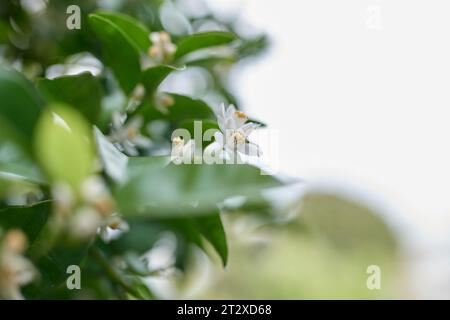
<point>137,165</point>
<point>20,104</point>
<point>143,234</point>
<point>30,219</point>
<point>63,145</point>
<point>83,92</point>
<point>119,51</point>
<point>16,162</point>
<point>202,126</point>
<point>206,125</point>
<point>146,231</point>
<point>183,108</point>
<point>18,166</point>
<point>209,62</point>
<point>136,32</point>
<point>187,190</point>
<point>153,76</point>
<point>202,40</point>
<point>188,108</point>
<point>211,228</point>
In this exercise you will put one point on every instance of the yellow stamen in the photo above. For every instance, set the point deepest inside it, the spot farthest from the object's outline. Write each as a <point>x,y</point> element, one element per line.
<point>132,132</point>
<point>167,101</point>
<point>177,141</point>
<point>16,240</point>
<point>105,206</point>
<point>240,115</point>
<point>115,224</point>
<point>238,138</point>
<point>164,36</point>
<point>154,52</point>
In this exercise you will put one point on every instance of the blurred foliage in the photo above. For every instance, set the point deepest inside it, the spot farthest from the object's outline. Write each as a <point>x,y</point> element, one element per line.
<point>85,143</point>
<point>32,41</point>
<point>323,254</point>
<point>85,173</point>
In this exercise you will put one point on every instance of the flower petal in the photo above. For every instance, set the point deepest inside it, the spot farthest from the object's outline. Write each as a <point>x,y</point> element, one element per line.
<point>249,149</point>
<point>142,141</point>
<point>117,122</point>
<point>129,148</point>
<point>135,122</point>
<point>189,150</point>
<point>231,111</point>
<point>222,122</point>
<point>219,138</point>
<point>248,128</point>
<point>213,148</point>
<point>239,122</point>
<point>155,37</point>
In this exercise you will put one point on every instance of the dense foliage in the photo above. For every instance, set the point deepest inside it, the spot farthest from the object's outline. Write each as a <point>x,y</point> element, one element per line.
<point>89,167</point>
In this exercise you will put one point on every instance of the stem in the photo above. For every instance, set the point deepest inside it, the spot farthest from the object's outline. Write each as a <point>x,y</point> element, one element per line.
<point>112,272</point>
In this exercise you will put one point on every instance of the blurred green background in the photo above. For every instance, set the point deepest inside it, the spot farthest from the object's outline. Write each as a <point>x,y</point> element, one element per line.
<point>323,253</point>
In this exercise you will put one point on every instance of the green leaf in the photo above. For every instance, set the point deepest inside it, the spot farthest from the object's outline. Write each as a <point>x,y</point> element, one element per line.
<point>119,51</point>
<point>16,162</point>
<point>136,32</point>
<point>209,62</point>
<point>260,123</point>
<point>63,145</point>
<point>187,236</point>
<point>202,40</point>
<point>53,268</point>
<point>20,104</point>
<point>206,125</point>
<point>114,162</point>
<point>30,219</point>
<point>152,77</point>
<point>136,165</point>
<point>187,190</point>
<point>187,108</point>
<point>18,167</point>
<point>183,108</point>
<point>141,237</point>
<point>146,231</point>
<point>142,290</point>
<point>83,92</point>
<point>211,228</point>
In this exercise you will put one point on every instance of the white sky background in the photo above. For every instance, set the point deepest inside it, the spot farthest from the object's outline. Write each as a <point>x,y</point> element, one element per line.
<point>361,105</point>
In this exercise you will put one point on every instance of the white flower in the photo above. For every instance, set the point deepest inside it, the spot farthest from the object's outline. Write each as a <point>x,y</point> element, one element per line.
<point>162,47</point>
<point>136,97</point>
<point>96,194</point>
<point>113,223</point>
<point>163,102</point>
<point>86,211</point>
<point>232,139</point>
<point>97,210</point>
<point>75,64</point>
<point>182,152</point>
<point>64,198</point>
<point>15,270</point>
<point>127,137</point>
<point>230,118</point>
<point>85,222</point>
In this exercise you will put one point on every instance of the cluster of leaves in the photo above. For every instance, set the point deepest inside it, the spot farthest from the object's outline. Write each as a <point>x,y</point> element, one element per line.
<point>53,130</point>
